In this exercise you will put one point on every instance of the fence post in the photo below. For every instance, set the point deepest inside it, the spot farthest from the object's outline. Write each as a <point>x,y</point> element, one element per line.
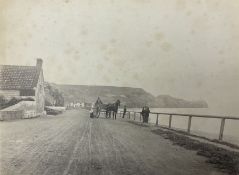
<point>222,128</point>
<point>134,115</point>
<point>189,123</point>
<point>129,115</point>
<point>157,120</point>
<point>170,121</point>
<point>140,117</point>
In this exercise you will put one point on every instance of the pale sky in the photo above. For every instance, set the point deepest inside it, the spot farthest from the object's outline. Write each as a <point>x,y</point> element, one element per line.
<point>185,48</point>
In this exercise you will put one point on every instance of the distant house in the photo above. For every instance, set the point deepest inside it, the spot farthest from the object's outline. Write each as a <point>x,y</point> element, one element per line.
<point>24,81</point>
<point>76,105</point>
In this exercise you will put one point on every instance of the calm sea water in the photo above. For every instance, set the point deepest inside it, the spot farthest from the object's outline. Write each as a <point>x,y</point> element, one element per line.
<point>200,126</point>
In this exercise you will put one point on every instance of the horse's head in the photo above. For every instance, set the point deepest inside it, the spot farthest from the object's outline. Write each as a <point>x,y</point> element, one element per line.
<point>117,102</point>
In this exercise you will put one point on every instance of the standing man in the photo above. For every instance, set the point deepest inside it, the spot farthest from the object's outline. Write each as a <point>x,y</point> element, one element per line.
<point>125,109</point>
<point>147,111</point>
<point>145,114</point>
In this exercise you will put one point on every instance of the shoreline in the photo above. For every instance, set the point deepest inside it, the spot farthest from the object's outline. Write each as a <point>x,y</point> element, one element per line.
<point>201,124</point>
<point>222,158</point>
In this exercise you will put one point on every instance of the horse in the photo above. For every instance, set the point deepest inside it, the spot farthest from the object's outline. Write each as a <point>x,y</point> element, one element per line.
<point>111,107</point>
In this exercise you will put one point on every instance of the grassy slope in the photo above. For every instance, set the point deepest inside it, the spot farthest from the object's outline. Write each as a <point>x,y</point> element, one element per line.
<point>132,97</point>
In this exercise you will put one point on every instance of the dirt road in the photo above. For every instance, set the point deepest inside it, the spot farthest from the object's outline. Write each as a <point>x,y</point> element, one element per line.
<point>72,143</point>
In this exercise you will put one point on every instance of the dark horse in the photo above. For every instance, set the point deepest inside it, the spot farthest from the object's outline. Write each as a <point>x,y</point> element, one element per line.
<point>111,107</point>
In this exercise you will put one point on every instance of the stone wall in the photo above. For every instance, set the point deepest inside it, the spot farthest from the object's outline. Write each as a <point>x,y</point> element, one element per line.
<point>28,108</point>
<point>11,115</point>
<point>8,94</point>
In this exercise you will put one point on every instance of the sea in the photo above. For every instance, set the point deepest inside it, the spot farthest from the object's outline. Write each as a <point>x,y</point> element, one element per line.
<point>206,127</point>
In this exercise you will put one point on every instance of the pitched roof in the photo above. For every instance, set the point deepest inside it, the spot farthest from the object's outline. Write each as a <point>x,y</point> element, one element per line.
<point>18,77</point>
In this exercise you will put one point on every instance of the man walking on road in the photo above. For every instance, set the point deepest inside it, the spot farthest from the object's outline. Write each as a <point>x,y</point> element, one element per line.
<point>125,109</point>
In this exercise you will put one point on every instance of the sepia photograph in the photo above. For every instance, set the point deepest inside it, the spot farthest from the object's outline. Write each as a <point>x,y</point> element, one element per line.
<point>119,87</point>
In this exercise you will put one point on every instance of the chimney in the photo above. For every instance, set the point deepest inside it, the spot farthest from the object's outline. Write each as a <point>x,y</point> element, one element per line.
<point>39,63</point>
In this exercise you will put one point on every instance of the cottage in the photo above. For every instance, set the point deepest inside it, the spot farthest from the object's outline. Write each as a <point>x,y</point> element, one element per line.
<point>24,81</point>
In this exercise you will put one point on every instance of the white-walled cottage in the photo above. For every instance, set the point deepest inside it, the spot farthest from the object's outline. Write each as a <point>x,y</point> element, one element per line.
<point>24,81</point>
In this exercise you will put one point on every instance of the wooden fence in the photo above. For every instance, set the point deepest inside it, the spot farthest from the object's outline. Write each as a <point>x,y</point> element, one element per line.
<point>190,119</point>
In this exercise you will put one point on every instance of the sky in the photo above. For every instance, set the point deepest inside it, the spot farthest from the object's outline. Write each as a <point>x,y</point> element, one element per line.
<point>187,49</point>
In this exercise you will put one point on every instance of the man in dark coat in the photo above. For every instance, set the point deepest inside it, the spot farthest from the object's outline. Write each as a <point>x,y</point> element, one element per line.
<point>145,114</point>
<point>124,112</point>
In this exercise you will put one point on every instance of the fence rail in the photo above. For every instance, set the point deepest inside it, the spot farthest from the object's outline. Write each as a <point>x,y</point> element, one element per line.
<point>190,119</point>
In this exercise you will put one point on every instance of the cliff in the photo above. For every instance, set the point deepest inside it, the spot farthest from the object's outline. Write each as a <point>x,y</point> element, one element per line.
<point>166,101</point>
<point>132,97</point>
